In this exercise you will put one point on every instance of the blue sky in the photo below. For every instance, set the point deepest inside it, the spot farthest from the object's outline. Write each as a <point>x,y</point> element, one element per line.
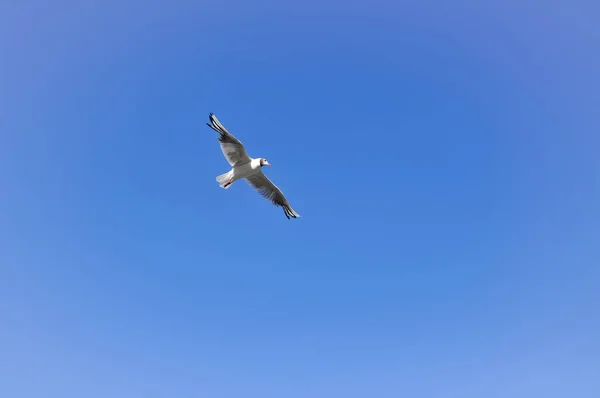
<point>444,158</point>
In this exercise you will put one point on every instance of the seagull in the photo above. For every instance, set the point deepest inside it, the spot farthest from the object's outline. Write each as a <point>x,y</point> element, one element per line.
<point>250,169</point>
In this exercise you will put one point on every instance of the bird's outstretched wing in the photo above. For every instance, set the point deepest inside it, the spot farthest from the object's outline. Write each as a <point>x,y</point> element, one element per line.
<point>271,192</point>
<point>232,148</point>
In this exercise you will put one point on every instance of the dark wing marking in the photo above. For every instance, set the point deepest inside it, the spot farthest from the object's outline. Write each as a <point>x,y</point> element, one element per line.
<point>271,192</point>
<point>232,148</point>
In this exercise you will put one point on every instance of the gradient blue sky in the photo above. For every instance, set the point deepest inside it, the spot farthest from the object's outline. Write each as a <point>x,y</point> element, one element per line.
<point>444,157</point>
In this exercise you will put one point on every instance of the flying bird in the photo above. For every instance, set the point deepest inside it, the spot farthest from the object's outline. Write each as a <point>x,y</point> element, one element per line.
<point>250,169</point>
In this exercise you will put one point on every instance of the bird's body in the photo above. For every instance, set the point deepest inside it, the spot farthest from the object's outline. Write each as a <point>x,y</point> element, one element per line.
<point>238,172</point>
<point>245,167</point>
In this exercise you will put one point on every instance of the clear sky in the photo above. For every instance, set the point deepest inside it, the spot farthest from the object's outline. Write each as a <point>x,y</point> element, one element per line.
<point>444,157</point>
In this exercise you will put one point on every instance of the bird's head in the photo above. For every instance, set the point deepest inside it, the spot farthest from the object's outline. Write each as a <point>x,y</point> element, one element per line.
<point>263,162</point>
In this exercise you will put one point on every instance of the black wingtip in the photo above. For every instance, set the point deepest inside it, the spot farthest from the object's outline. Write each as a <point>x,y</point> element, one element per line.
<point>212,125</point>
<point>289,213</point>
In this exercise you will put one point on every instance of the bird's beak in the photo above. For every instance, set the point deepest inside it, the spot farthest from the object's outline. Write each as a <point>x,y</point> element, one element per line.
<point>267,164</point>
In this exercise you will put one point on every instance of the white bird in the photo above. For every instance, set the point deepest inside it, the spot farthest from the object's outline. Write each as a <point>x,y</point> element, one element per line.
<point>243,166</point>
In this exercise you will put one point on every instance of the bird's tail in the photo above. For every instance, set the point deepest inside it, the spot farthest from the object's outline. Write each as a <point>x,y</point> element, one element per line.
<point>225,180</point>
